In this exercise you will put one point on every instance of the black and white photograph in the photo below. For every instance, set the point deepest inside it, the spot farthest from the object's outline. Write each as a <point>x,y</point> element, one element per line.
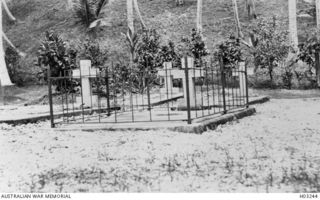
<point>156,97</point>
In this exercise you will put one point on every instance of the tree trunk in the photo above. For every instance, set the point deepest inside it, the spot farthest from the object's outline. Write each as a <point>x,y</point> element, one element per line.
<point>292,8</point>
<point>236,18</point>
<point>199,16</point>
<point>130,16</point>
<point>69,4</point>
<point>5,6</point>
<point>251,9</point>
<point>136,7</point>
<point>317,54</point>
<point>4,76</point>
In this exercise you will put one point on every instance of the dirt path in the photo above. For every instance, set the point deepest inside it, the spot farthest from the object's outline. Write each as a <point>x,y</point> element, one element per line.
<point>277,150</point>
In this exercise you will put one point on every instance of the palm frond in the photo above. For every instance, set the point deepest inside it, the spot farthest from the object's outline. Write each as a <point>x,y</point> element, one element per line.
<point>83,12</point>
<point>101,4</point>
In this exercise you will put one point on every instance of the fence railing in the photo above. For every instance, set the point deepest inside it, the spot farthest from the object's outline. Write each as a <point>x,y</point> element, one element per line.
<point>126,95</point>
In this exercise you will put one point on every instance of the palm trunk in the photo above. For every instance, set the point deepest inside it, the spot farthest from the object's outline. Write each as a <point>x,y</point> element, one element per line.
<point>236,18</point>
<point>199,16</point>
<point>5,6</point>
<point>293,30</point>
<point>251,8</point>
<point>4,76</point>
<point>130,16</point>
<point>69,4</point>
<point>136,7</point>
<point>318,54</point>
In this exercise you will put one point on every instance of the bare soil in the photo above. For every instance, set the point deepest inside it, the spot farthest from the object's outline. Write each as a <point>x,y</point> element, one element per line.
<point>276,150</point>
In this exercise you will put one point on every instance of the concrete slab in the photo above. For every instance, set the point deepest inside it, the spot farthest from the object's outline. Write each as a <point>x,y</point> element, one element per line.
<point>33,114</point>
<point>197,127</point>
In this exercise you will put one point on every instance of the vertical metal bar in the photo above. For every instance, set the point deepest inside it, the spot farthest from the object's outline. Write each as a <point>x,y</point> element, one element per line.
<point>149,100</point>
<point>50,98</point>
<point>207,84</point>
<point>219,72</point>
<point>2,93</point>
<point>201,88</point>
<point>195,90</point>
<point>62,97</point>
<point>167,90</point>
<point>232,90</point>
<point>67,93</point>
<point>91,92</point>
<point>108,91</point>
<point>213,88</point>
<point>186,70</point>
<point>114,93</point>
<point>123,97</point>
<point>223,79</point>
<point>98,78</point>
<point>131,97</point>
<point>72,96</point>
<point>247,88</point>
<point>82,104</point>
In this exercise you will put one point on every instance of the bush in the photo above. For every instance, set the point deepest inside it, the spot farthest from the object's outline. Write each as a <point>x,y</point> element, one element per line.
<point>271,46</point>
<point>12,59</point>
<point>53,52</point>
<point>194,46</point>
<point>148,59</point>
<point>91,50</point>
<point>229,52</point>
<point>168,54</point>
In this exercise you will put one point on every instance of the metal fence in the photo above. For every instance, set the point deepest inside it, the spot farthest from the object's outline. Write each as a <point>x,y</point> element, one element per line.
<point>122,95</point>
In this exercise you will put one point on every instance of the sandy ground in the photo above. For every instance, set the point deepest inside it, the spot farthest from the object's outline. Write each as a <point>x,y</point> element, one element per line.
<point>276,150</point>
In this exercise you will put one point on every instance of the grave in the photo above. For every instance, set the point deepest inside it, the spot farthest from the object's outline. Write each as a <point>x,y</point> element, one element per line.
<point>240,72</point>
<point>166,73</point>
<point>193,73</point>
<point>84,74</point>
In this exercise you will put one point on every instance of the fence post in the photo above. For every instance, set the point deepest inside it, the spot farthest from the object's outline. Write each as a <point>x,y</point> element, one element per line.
<point>247,88</point>
<point>317,62</point>
<point>186,70</point>
<point>1,94</point>
<point>108,91</point>
<point>223,82</point>
<point>50,97</point>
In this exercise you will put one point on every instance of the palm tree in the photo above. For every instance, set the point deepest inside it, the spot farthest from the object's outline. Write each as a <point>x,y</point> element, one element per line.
<point>89,14</point>
<point>130,16</point>
<point>199,16</point>
<point>318,13</point>
<point>4,76</point>
<point>292,9</point>
<point>251,8</point>
<point>132,36</point>
<point>317,53</point>
<point>136,7</point>
<point>236,18</point>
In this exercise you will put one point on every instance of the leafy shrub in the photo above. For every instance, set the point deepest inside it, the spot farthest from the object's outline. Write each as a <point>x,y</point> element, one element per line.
<point>12,59</point>
<point>148,58</point>
<point>271,46</point>
<point>168,54</point>
<point>230,52</point>
<point>287,77</point>
<point>194,46</point>
<point>309,48</point>
<point>91,50</point>
<point>88,13</point>
<point>53,52</point>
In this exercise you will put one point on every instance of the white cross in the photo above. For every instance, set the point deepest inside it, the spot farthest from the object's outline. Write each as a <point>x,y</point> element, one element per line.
<point>242,77</point>
<point>168,80</point>
<point>85,73</point>
<point>192,75</point>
